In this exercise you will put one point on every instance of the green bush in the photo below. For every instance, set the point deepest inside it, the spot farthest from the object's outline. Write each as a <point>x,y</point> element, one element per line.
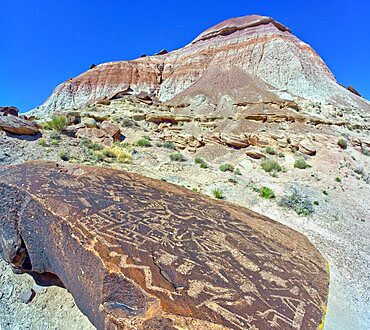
<point>342,143</point>
<point>201,162</point>
<point>64,155</point>
<point>177,157</point>
<point>168,145</point>
<point>365,152</point>
<point>226,167</point>
<point>42,142</point>
<point>270,151</point>
<point>57,123</point>
<point>87,143</point>
<point>270,165</point>
<point>267,193</point>
<point>237,171</point>
<point>218,193</point>
<point>301,164</point>
<point>143,143</point>
<point>54,136</point>
<point>298,202</point>
<point>338,179</point>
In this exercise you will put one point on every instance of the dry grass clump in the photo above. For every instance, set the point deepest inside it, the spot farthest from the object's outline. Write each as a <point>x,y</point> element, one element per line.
<point>116,153</point>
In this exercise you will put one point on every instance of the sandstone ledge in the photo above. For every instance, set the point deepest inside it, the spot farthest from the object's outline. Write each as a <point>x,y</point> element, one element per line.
<point>137,253</point>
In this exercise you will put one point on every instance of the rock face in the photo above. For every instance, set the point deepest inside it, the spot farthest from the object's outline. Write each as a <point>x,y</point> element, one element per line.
<point>247,57</point>
<point>18,125</point>
<point>9,111</point>
<point>137,253</point>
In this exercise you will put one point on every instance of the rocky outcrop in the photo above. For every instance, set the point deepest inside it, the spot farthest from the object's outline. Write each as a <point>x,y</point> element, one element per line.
<point>251,58</point>
<point>5,111</point>
<point>18,125</point>
<point>137,253</point>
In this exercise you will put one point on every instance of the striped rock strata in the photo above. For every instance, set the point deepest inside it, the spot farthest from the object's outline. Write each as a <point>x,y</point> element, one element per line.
<point>137,253</point>
<point>250,58</point>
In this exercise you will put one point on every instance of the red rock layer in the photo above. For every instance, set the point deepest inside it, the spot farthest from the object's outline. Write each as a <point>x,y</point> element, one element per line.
<point>255,45</point>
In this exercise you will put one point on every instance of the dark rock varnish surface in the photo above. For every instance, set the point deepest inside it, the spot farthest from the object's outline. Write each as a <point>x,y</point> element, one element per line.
<point>137,253</point>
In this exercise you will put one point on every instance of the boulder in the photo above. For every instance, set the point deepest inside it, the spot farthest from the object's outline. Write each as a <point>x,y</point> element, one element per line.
<point>138,253</point>
<point>5,111</point>
<point>255,153</point>
<point>18,125</point>
<point>307,147</point>
<point>111,129</point>
<point>89,122</point>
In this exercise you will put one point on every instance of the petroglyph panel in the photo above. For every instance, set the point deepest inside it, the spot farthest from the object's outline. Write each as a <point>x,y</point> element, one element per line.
<point>137,253</point>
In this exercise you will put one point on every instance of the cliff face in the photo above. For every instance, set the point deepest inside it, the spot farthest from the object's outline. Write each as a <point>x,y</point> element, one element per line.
<point>259,49</point>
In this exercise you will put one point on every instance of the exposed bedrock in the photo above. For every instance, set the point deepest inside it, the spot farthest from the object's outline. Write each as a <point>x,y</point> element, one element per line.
<point>239,57</point>
<point>137,253</point>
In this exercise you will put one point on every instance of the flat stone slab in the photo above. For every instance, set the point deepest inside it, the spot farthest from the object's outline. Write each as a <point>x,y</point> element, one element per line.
<point>137,253</point>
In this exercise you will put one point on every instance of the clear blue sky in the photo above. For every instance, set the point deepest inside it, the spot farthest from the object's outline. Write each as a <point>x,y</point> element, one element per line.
<point>44,42</point>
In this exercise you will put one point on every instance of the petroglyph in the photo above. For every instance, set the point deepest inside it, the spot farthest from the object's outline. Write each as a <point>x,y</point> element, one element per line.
<point>137,253</point>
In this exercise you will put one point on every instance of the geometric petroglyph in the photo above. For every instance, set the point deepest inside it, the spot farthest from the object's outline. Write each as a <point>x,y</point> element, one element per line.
<point>138,253</point>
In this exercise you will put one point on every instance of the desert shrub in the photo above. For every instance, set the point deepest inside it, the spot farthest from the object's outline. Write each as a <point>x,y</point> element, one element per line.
<point>270,151</point>
<point>87,143</point>
<point>365,152</point>
<point>42,142</point>
<point>338,179</point>
<point>54,136</point>
<point>168,145</point>
<point>226,167</point>
<point>177,157</point>
<point>201,162</point>
<point>144,142</point>
<point>232,180</point>
<point>218,193</point>
<point>116,153</point>
<point>298,202</point>
<point>54,142</point>
<point>267,193</point>
<point>57,123</point>
<point>237,171</point>
<point>270,165</point>
<point>342,143</point>
<point>301,164</point>
<point>64,155</point>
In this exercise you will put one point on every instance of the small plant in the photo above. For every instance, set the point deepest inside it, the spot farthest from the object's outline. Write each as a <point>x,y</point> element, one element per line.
<point>226,167</point>
<point>338,179</point>
<point>116,153</point>
<point>64,155</point>
<point>270,151</point>
<point>270,165</point>
<point>281,155</point>
<point>232,180</point>
<point>237,171</point>
<point>177,157</point>
<point>301,164</point>
<point>316,203</point>
<point>57,123</point>
<point>87,143</point>
<point>201,162</point>
<point>54,142</point>
<point>218,193</point>
<point>203,165</point>
<point>144,142</point>
<point>365,152</point>
<point>267,193</point>
<point>325,192</point>
<point>298,202</point>
<point>168,145</point>
<point>342,143</point>
<point>54,136</point>
<point>42,142</point>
